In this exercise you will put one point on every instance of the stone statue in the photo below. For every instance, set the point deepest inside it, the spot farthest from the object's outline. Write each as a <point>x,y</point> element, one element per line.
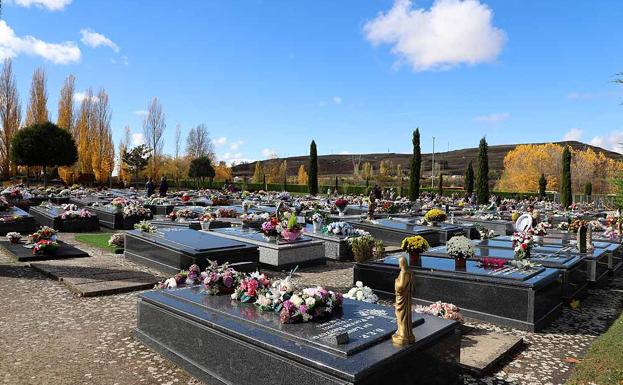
<point>404,317</point>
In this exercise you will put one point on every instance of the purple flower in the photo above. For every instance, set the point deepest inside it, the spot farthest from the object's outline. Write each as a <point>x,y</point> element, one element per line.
<point>213,277</point>
<point>303,309</point>
<point>228,280</point>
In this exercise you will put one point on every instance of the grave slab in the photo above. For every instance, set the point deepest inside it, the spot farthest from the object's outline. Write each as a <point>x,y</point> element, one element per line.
<point>481,350</point>
<point>23,254</point>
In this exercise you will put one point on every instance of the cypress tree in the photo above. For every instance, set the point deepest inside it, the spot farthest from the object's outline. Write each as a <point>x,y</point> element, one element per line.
<point>440,184</point>
<point>482,181</point>
<point>542,186</point>
<point>565,186</point>
<point>416,167</point>
<point>313,169</point>
<point>469,179</point>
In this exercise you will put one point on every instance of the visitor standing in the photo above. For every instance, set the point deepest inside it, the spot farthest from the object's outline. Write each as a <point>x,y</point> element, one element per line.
<point>150,187</point>
<point>164,187</point>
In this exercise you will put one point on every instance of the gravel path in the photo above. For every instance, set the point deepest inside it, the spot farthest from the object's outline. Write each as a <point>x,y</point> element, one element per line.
<point>50,336</point>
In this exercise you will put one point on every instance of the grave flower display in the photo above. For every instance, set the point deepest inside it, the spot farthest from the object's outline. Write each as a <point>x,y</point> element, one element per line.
<point>44,233</point>
<point>434,216</point>
<point>522,244</point>
<point>45,247</point>
<point>226,213</point>
<point>442,310</point>
<point>76,214</point>
<point>490,262</point>
<point>13,237</point>
<point>220,279</point>
<point>460,248</point>
<point>4,204</point>
<point>362,293</point>
<point>145,227</point>
<point>117,240</point>
<point>254,219</point>
<point>271,228</point>
<point>311,304</point>
<point>249,288</point>
<point>486,233</point>
<point>415,246</point>
<point>183,214</point>
<point>341,204</point>
<point>292,230</point>
<point>135,210</point>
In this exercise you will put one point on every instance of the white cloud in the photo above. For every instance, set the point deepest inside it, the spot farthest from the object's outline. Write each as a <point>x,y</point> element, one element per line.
<point>613,142</point>
<point>231,158</point>
<point>220,141</point>
<point>345,152</point>
<point>337,99</point>
<point>12,45</point>
<point>236,145</point>
<point>450,33</point>
<point>138,139</point>
<point>50,5</point>
<point>269,154</point>
<point>573,134</point>
<point>122,60</point>
<point>95,39</point>
<point>141,112</point>
<point>80,96</point>
<point>494,118</point>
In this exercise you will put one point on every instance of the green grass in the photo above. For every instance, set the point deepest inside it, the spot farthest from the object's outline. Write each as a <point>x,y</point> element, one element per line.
<point>99,240</point>
<point>603,364</point>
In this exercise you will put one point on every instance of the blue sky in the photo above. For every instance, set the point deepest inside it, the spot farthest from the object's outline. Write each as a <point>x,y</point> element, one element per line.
<point>357,76</point>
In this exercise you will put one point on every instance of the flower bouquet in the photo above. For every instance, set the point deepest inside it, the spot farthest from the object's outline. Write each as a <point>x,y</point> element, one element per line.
<point>69,207</point>
<point>460,248</point>
<point>45,247</point>
<point>249,288</point>
<point>522,244</point>
<point>310,305</point>
<point>280,291</point>
<point>493,263</point>
<point>254,219</point>
<point>117,240</point>
<point>361,293</point>
<point>135,210</point>
<point>76,214</point>
<point>118,203</point>
<point>220,279</point>
<point>271,227</point>
<point>145,227</point>
<point>563,226</point>
<point>220,201</point>
<point>226,213</point>
<point>293,230</point>
<point>434,216</point>
<point>13,237</point>
<point>441,309</point>
<point>485,233</point>
<point>341,204</point>
<point>185,197</point>
<point>182,214</point>
<point>317,220</point>
<point>44,233</point>
<point>206,217</point>
<point>414,246</point>
<point>4,204</point>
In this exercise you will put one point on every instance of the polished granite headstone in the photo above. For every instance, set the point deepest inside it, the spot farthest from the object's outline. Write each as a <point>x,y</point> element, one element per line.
<point>17,220</point>
<point>278,253</point>
<point>524,299</point>
<point>336,246</point>
<point>500,226</point>
<point>173,249</point>
<point>24,254</point>
<point>51,216</point>
<point>198,332</point>
<point>113,218</point>
<point>392,232</point>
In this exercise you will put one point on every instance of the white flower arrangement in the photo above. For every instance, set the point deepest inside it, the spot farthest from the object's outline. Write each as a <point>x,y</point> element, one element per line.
<point>362,293</point>
<point>460,247</point>
<point>486,233</point>
<point>344,229</point>
<point>133,209</point>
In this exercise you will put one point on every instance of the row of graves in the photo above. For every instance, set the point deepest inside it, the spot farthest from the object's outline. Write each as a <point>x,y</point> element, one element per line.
<point>513,264</point>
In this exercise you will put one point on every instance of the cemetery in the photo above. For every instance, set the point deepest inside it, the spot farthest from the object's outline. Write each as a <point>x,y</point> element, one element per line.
<point>363,193</point>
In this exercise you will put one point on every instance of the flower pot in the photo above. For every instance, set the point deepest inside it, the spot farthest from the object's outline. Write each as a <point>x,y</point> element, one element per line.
<point>341,211</point>
<point>460,264</point>
<point>316,226</point>
<point>290,235</point>
<point>414,259</point>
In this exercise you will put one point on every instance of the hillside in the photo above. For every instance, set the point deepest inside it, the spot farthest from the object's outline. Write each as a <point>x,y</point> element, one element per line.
<point>453,161</point>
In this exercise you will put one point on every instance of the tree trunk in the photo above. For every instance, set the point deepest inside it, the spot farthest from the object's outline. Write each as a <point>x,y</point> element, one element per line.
<point>45,176</point>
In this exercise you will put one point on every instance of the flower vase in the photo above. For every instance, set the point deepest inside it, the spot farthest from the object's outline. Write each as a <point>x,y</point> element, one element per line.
<point>316,226</point>
<point>538,240</point>
<point>460,264</point>
<point>414,259</point>
<point>341,211</point>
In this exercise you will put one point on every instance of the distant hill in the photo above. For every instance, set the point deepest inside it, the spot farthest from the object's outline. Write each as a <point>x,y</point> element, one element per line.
<point>453,161</point>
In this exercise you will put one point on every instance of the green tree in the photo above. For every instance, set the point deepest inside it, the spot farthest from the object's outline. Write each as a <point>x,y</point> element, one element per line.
<point>482,181</point>
<point>565,186</point>
<point>313,169</point>
<point>136,159</point>
<point>542,186</point>
<point>618,198</point>
<point>469,179</point>
<point>44,144</point>
<point>440,185</point>
<point>201,168</point>
<point>416,167</point>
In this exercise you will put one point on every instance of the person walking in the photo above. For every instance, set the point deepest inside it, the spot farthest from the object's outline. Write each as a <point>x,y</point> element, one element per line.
<point>164,187</point>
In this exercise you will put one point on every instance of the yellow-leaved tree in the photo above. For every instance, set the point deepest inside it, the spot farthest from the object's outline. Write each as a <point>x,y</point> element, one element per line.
<point>65,120</point>
<point>302,176</point>
<point>102,146</point>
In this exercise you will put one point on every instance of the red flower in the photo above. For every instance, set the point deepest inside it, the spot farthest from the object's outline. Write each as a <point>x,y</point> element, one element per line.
<point>252,288</point>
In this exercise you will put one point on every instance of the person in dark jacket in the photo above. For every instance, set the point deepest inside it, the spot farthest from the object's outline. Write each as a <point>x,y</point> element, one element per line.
<point>164,187</point>
<point>150,187</point>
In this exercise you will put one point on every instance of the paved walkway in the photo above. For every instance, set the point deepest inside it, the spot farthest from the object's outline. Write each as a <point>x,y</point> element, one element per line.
<point>51,336</point>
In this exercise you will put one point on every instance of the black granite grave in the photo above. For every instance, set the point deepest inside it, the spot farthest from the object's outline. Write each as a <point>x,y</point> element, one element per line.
<point>163,209</point>
<point>24,254</point>
<point>18,220</point>
<point>500,226</point>
<point>173,249</point>
<point>51,216</point>
<point>113,218</point>
<point>572,267</point>
<point>527,300</point>
<point>392,232</point>
<point>224,342</point>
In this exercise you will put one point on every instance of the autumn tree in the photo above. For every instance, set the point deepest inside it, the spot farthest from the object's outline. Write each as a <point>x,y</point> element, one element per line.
<point>43,144</point>
<point>199,144</point>
<point>258,174</point>
<point>10,115</point>
<point>469,179</point>
<point>302,177</point>
<point>65,119</point>
<point>566,197</point>
<point>482,181</point>
<point>542,186</point>
<point>37,111</point>
<point>102,146</point>
<point>416,167</point>
<point>588,189</point>
<point>122,170</point>
<point>84,130</point>
<point>153,128</point>
<point>222,172</point>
